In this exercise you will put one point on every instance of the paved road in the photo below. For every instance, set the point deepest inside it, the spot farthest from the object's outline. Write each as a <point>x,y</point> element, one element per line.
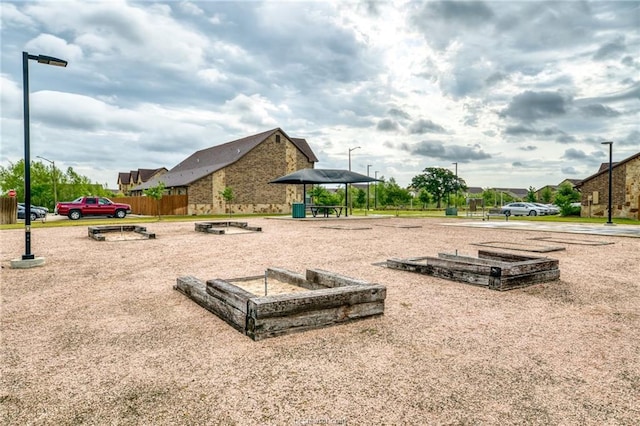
<point>572,228</point>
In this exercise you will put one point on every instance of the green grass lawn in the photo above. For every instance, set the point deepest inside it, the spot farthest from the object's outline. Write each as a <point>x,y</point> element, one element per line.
<point>356,212</point>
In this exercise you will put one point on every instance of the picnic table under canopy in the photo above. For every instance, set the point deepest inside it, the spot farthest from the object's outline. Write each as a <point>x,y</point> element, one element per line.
<point>318,176</point>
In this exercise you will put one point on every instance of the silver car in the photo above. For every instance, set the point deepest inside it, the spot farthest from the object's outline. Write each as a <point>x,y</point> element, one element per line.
<point>523,209</point>
<point>552,208</point>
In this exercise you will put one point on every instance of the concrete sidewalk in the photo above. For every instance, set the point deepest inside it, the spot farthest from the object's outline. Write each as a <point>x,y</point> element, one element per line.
<point>572,228</point>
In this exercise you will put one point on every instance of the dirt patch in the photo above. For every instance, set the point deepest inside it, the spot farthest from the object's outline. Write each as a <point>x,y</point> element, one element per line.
<point>98,335</point>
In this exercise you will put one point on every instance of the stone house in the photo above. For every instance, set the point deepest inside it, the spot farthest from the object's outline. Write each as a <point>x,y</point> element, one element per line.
<point>625,190</point>
<point>245,165</point>
<point>554,188</point>
<point>129,180</point>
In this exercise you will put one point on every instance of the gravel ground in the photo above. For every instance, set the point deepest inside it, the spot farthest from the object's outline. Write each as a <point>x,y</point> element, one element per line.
<point>98,335</point>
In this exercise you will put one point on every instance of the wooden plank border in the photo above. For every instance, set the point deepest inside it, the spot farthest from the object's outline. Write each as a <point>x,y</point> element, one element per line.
<point>330,299</point>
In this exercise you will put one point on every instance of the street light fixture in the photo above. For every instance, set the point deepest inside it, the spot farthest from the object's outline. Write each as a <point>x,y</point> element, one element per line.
<point>55,178</point>
<point>609,222</point>
<point>348,199</point>
<point>368,165</point>
<point>456,198</point>
<point>28,258</point>
<point>375,192</point>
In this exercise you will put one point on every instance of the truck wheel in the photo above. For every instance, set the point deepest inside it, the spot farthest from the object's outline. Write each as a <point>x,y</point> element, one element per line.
<point>75,215</point>
<point>120,214</point>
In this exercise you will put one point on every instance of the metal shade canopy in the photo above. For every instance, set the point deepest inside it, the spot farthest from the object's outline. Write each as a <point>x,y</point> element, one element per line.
<point>305,176</point>
<point>313,176</point>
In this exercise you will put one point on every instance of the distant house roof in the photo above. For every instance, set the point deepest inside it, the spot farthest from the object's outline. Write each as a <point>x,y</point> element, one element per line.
<point>132,177</point>
<point>206,161</point>
<point>475,190</point>
<point>604,170</point>
<point>517,192</point>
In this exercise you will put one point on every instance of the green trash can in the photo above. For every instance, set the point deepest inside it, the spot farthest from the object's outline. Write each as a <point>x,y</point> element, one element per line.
<point>298,210</point>
<point>451,211</point>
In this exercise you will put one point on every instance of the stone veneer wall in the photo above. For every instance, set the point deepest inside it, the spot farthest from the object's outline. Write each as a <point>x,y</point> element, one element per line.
<point>249,178</point>
<point>625,190</point>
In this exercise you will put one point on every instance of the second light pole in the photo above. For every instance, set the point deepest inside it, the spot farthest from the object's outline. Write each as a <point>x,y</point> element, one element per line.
<point>55,178</point>
<point>609,222</point>
<point>348,199</point>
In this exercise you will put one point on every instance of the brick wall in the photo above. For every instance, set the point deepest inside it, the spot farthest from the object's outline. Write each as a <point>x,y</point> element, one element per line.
<point>249,178</point>
<point>625,189</point>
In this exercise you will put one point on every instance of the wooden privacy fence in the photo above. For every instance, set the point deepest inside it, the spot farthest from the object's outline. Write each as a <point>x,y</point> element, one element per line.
<point>170,205</point>
<point>8,210</point>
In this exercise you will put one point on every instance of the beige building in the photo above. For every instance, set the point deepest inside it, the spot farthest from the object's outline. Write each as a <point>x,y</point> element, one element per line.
<point>625,191</point>
<point>246,166</point>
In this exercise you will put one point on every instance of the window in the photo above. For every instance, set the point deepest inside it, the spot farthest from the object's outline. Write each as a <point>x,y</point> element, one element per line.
<point>277,138</point>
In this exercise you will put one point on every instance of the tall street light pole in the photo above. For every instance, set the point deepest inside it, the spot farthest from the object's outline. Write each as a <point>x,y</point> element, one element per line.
<point>368,166</point>
<point>55,178</point>
<point>456,198</point>
<point>350,202</point>
<point>375,193</point>
<point>28,258</point>
<point>609,222</point>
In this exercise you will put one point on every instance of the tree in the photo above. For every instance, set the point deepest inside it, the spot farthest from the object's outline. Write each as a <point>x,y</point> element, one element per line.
<point>394,195</point>
<point>227,195</point>
<point>156,192</point>
<point>439,182</point>
<point>531,195</point>
<point>70,185</point>
<point>546,195</point>
<point>564,197</point>
<point>361,198</point>
<point>323,197</point>
<point>425,198</point>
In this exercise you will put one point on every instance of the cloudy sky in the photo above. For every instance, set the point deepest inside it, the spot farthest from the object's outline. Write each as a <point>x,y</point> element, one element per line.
<point>518,94</point>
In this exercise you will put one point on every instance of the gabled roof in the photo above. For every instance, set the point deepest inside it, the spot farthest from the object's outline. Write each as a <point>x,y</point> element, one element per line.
<point>209,160</point>
<point>605,166</point>
<point>606,169</point>
<point>146,174</point>
<point>517,192</point>
<point>475,190</point>
<point>124,178</point>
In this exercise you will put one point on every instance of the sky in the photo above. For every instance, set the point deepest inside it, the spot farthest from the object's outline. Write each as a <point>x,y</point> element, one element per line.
<point>508,94</point>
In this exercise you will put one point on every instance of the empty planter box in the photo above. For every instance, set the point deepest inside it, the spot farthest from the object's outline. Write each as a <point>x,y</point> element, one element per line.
<point>497,271</point>
<point>325,299</point>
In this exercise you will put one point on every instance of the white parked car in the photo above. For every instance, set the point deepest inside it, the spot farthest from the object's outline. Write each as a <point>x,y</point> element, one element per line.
<point>552,208</point>
<point>523,209</point>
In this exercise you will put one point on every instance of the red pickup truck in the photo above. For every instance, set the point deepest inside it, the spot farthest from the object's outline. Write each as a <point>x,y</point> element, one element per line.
<point>92,206</point>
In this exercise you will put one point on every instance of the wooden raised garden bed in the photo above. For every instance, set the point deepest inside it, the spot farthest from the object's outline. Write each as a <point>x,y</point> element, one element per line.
<point>97,232</point>
<point>326,299</point>
<point>217,227</point>
<point>497,271</point>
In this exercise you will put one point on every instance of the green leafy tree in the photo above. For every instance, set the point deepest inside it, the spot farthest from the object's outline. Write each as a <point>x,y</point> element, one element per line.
<point>70,185</point>
<point>439,182</point>
<point>156,193</point>
<point>227,195</point>
<point>546,195</point>
<point>531,195</point>
<point>564,197</point>
<point>361,198</point>
<point>323,197</point>
<point>424,197</point>
<point>394,195</point>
